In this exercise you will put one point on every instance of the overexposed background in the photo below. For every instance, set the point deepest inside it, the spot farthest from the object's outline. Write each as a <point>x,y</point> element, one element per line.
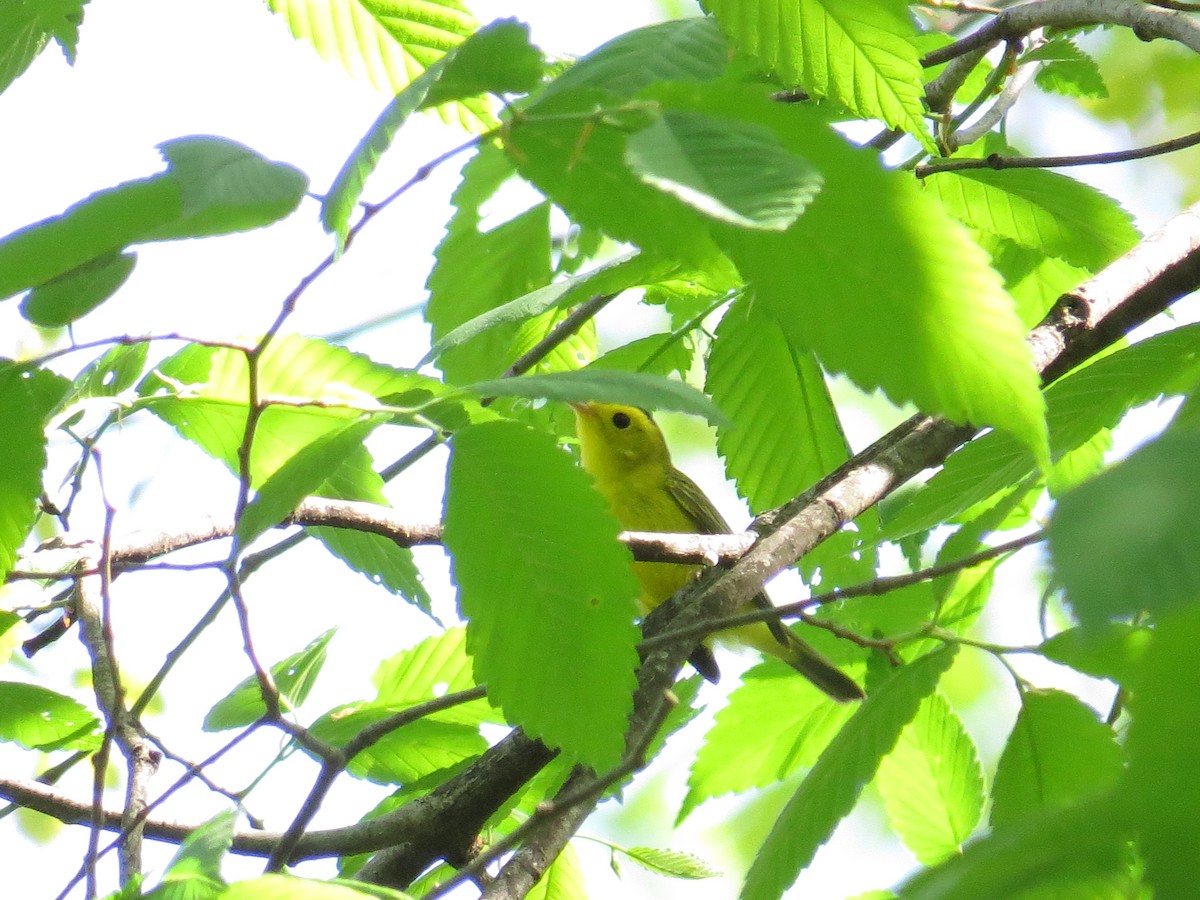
<point>153,70</point>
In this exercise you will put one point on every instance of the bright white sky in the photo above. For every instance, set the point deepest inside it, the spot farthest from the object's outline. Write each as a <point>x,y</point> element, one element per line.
<point>152,70</point>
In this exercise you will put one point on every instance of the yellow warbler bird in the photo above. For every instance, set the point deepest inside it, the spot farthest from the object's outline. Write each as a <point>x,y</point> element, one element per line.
<point>624,451</point>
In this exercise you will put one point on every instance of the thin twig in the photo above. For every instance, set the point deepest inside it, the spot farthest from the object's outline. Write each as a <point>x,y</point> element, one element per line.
<point>998,162</point>
<point>334,763</point>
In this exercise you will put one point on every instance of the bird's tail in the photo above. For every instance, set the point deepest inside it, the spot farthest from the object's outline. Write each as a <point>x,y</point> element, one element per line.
<point>782,643</point>
<point>820,671</point>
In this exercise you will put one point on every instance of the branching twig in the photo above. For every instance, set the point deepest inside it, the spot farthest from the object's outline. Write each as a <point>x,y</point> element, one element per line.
<point>335,762</point>
<point>1018,21</point>
<point>875,588</point>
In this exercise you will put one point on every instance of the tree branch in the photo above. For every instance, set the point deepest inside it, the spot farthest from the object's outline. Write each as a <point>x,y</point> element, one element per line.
<point>1148,22</point>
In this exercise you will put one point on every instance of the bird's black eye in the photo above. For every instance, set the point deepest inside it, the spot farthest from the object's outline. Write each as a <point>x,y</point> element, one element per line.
<point>621,420</point>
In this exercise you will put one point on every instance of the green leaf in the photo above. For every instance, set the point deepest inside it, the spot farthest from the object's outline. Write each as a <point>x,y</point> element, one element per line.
<point>1164,749</point>
<point>300,477</point>
<point>845,767</point>
<point>856,52</point>
<point>497,59</point>
<point>477,270</point>
<point>1066,70</point>
<point>74,294</point>
<point>113,373</point>
<point>293,676</point>
<point>1077,407</point>
<point>95,228</point>
<point>26,28</point>
<point>735,172</point>
<point>439,741</point>
<point>655,354</point>
<point>547,591</point>
<point>606,386</point>
<point>405,755</point>
<point>195,871</point>
<point>38,718</point>
<point>1109,650</point>
<point>786,435</point>
<point>390,43</point>
<point>289,887</point>
<point>1126,540</point>
<point>22,456</point>
<point>626,271</point>
<point>377,558</point>
<point>686,49</point>
<point>226,187</point>
<point>1039,210</point>
<point>563,880</point>
<point>671,863</point>
<point>1076,842</point>
<point>212,186</point>
<point>1034,281</point>
<point>203,393</point>
<point>343,195</point>
<point>932,783</point>
<point>1059,753</point>
<point>773,725</point>
<point>886,310</point>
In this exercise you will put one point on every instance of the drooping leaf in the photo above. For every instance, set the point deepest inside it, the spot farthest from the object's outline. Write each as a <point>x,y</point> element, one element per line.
<point>204,391</point>
<point>546,590</point>
<point>626,271</point>
<point>932,783</point>
<point>1059,752</point>
<point>845,767</point>
<point>606,386</point>
<point>293,676</point>
<point>858,53</point>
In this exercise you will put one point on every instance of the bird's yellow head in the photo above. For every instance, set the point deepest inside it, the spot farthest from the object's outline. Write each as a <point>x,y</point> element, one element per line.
<point>615,440</point>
